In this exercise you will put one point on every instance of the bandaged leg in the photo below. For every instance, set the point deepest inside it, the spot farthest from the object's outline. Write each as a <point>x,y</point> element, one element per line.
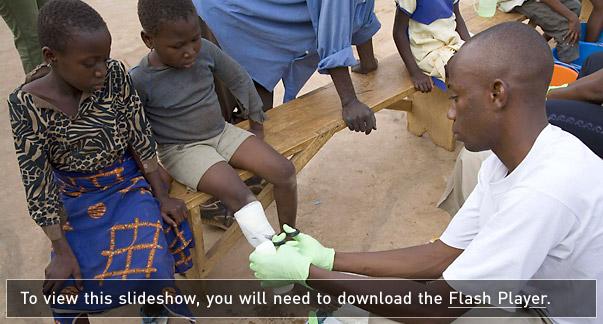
<point>253,223</point>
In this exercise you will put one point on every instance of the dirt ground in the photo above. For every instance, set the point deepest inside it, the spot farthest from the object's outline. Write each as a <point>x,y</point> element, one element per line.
<point>360,193</point>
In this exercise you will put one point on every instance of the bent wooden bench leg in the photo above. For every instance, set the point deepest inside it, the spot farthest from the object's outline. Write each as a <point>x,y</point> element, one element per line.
<point>429,114</point>
<point>199,250</point>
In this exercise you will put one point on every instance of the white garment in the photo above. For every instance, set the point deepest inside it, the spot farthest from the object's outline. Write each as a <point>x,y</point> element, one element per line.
<point>542,221</point>
<point>508,5</point>
<point>254,224</point>
<point>434,44</point>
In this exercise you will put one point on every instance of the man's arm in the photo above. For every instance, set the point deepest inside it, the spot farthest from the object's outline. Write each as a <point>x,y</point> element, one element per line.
<point>428,261</point>
<point>331,283</point>
<point>573,34</point>
<point>588,88</point>
<point>357,116</point>
<point>461,27</point>
<point>421,81</point>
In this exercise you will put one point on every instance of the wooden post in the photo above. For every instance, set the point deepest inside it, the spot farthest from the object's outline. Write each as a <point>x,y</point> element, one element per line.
<point>429,115</point>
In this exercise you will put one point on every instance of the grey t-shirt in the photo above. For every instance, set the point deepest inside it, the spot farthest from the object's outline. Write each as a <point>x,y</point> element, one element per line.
<point>182,104</point>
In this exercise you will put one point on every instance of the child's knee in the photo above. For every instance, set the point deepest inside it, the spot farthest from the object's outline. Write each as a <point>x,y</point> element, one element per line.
<point>286,175</point>
<point>239,199</point>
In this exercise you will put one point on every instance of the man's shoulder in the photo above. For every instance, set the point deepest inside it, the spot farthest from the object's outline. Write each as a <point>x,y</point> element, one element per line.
<point>565,169</point>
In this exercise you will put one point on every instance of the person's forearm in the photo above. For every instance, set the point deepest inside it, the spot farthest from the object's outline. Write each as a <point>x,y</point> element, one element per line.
<point>343,84</point>
<point>426,261</point>
<point>55,234</point>
<point>560,8</point>
<point>588,88</point>
<point>159,190</point>
<point>331,283</point>
<point>403,44</point>
<point>461,27</point>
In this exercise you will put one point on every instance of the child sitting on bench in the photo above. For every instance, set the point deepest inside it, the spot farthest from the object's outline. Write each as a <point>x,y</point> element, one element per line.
<point>557,19</point>
<point>427,33</point>
<point>196,146</point>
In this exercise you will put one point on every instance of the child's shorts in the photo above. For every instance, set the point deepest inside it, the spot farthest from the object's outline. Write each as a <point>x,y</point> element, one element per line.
<point>187,163</point>
<point>553,24</point>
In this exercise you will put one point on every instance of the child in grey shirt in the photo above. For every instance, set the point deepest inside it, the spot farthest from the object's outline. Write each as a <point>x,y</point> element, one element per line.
<point>175,82</point>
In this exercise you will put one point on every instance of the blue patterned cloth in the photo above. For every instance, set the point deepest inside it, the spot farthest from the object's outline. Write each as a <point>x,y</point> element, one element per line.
<point>115,230</point>
<point>289,39</point>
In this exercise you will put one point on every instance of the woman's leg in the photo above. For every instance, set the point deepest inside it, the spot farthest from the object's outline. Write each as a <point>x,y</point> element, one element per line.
<point>368,62</point>
<point>258,157</point>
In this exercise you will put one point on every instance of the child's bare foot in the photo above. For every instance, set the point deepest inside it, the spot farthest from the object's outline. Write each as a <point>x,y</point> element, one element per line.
<point>366,67</point>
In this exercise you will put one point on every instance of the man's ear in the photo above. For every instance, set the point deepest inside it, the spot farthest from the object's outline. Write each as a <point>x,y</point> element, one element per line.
<point>499,94</point>
<point>147,39</point>
<point>48,54</point>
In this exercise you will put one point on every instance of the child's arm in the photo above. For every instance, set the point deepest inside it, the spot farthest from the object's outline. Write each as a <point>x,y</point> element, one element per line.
<point>573,34</point>
<point>238,81</point>
<point>461,27</point>
<point>421,81</point>
<point>42,193</point>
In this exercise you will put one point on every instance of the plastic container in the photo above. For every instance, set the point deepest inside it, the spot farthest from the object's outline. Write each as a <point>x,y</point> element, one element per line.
<point>586,49</point>
<point>563,75</point>
<point>485,8</point>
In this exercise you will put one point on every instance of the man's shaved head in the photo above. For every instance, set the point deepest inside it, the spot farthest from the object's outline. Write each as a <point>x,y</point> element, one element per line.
<point>498,82</point>
<point>513,52</point>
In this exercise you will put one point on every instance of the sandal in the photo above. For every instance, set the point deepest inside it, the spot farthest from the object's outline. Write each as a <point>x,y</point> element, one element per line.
<point>216,214</point>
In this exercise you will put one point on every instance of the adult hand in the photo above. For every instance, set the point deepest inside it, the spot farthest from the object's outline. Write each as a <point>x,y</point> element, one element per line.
<point>573,33</point>
<point>308,246</point>
<point>173,211</point>
<point>359,117</point>
<point>282,268</point>
<point>61,267</point>
<point>422,82</point>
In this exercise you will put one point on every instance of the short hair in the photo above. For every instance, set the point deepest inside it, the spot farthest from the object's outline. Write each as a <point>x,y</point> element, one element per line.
<point>152,13</point>
<point>59,19</point>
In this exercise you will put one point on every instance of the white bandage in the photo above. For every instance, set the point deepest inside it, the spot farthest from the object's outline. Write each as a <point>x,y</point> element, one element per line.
<point>253,223</point>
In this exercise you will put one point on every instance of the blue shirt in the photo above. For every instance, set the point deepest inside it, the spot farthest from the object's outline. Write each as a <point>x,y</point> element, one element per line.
<point>289,39</point>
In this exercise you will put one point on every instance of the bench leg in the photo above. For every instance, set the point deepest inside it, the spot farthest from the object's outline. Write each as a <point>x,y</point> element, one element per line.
<point>199,251</point>
<point>429,115</point>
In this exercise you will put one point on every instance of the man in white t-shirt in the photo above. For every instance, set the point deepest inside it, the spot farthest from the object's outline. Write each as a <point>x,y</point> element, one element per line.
<point>537,210</point>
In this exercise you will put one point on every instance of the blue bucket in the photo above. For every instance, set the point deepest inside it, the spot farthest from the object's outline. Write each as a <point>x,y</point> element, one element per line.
<point>586,49</point>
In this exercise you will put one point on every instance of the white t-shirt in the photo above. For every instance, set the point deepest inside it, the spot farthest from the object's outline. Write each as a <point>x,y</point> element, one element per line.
<point>542,221</point>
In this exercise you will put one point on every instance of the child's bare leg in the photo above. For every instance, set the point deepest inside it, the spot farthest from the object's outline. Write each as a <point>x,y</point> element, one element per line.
<point>595,22</point>
<point>368,62</point>
<point>223,182</point>
<point>258,157</point>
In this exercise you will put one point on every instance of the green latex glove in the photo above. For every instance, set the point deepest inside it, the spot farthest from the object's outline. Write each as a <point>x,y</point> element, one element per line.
<point>282,268</point>
<point>308,246</point>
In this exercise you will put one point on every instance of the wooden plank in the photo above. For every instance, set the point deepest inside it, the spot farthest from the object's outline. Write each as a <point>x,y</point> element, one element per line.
<point>404,105</point>
<point>429,114</point>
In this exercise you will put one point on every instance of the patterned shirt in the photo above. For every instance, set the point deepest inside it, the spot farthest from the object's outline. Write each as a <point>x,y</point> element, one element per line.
<point>108,123</point>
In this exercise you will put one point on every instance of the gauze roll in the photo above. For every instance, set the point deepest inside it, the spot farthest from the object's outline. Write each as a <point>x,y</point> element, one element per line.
<point>253,223</point>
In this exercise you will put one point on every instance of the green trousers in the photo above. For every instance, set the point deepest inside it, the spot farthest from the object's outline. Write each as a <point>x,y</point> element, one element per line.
<point>21,16</point>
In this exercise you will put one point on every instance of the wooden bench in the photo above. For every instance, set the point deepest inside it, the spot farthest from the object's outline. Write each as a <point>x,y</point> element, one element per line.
<point>298,130</point>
